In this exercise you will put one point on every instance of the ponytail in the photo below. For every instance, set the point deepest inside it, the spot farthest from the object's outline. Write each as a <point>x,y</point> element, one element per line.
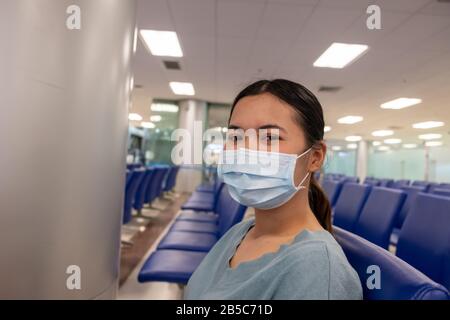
<point>319,204</point>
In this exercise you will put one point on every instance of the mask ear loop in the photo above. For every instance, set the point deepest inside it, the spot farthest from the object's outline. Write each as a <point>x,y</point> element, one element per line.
<point>300,185</point>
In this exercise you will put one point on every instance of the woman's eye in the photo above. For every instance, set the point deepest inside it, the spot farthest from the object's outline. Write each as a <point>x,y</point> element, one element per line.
<point>234,138</point>
<point>271,138</point>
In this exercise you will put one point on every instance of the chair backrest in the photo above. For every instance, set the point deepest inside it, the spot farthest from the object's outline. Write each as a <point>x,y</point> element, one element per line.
<point>398,279</point>
<point>332,190</point>
<point>424,240</point>
<point>398,184</point>
<point>130,193</point>
<point>163,179</point>
<point>411,194</point>
<point>419,183</point>
<point>128,176</point>
<point>171,178</point>
<point>444,185</point>
<point>350,180</point>
<point>371,182</point>
<point>229,210</point>
<point>442,192</point>
<point>377,218</point>
<point>142,188</point>
<point>387,183</point>
<point>155,181</point>
<point>349,205</point>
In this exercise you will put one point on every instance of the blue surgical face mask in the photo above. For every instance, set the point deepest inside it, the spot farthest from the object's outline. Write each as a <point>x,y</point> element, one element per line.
<point>260,179</point>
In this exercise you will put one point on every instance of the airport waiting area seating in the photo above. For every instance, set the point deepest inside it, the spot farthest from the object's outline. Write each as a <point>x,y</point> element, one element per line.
<point>384,276</point>
<point>366,216</point>
<point>413,219</point>
<point>188,241</point>
<point>144,184</point>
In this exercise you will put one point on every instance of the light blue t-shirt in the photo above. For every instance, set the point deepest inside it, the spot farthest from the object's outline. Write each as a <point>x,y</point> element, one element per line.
<point>313,266</point>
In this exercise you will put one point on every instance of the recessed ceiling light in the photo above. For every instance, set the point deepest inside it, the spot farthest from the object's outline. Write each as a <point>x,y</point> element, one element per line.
<point>430,136</point>
<point>182,88</point>
<point>134,117</point>
<point>376,143</point>
<point>155,118</point>
<point>410,145</point>
<point>327,129</point>
<point>162,43</point>
<point>147,125</point>
<point>339,55</point>
<point>384,148</point>
<point>336,148</point>
<point>428,124</point>
<point>352,146</point>
<point>353,138</point>
<point>400,103</point>
<point>164,107</point>
<point>382,133</point>
<point>393,141</point>
<point>350,119</point>
<point>433,143</point>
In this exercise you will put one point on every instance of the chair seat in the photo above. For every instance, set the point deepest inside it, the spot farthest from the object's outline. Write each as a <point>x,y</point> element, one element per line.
<point>205,188</point>
<point>201,197</point>
<point>189,215</point>
<point>183,240</point>
<point>170,266</point>
<point>198,206</point>
<point>195,226</point>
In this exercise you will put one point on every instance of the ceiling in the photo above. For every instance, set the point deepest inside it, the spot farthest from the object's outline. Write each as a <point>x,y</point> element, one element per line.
<point>230,43</point>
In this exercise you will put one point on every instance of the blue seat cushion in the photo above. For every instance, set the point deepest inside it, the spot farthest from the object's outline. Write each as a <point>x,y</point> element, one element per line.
<point>195,226</point>
<point>183,240</point>
<point>205,188</point>
<point>201,197</point>
<point>189,215</point>
<point>170,266</point>
<point>198,206</point>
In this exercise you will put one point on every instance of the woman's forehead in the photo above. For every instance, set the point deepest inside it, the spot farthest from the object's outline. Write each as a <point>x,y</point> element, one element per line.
<point>262,110</point>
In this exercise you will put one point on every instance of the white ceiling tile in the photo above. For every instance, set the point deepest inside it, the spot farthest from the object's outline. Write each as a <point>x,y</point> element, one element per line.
<point>193,17</point>
<point>238,19</point>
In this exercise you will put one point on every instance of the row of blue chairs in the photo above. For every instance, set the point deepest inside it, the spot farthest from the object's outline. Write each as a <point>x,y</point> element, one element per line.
<point>207,215</point>
<point>145,184</point>
<point>416,222</point>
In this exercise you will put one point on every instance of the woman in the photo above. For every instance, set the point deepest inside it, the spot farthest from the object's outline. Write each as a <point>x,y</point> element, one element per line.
<point>286,251</point>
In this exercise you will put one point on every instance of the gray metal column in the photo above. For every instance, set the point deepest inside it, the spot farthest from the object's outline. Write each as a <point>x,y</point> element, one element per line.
<point>64,97</point>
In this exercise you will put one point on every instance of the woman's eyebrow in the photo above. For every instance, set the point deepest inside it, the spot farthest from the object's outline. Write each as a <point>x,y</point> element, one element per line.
<point>272,126</point>
<point>266,126</point>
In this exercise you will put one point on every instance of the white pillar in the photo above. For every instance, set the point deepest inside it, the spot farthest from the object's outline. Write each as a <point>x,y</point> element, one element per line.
<point>362,160</point>
<point>192,117</point>
<point>64,98</point>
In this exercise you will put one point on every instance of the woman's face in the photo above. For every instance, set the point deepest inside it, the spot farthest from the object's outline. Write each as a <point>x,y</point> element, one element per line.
<point>271,121</point>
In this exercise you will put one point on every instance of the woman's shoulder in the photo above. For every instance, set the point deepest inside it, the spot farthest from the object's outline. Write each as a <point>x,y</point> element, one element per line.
<point>318,247</point>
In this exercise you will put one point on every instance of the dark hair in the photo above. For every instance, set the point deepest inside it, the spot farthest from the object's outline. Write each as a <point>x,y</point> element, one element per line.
<point>310,118</point>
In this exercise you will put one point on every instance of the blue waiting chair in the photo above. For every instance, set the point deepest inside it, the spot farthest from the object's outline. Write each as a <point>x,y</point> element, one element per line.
<point>350,204</point>
<point>411,194</point>
<point>139,200</point>
<point>130,193</point>
<point>171,179</point>
<point>377,218</point>
<point>229,212</point>
<point>398,279</point>
<point>332,189</point>
<point>442,192</point>
<point>204,201</point>
<point>424,240</point>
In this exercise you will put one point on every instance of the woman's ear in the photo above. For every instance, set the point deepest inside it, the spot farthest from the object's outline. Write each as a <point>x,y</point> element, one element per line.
<point>318,153</point>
